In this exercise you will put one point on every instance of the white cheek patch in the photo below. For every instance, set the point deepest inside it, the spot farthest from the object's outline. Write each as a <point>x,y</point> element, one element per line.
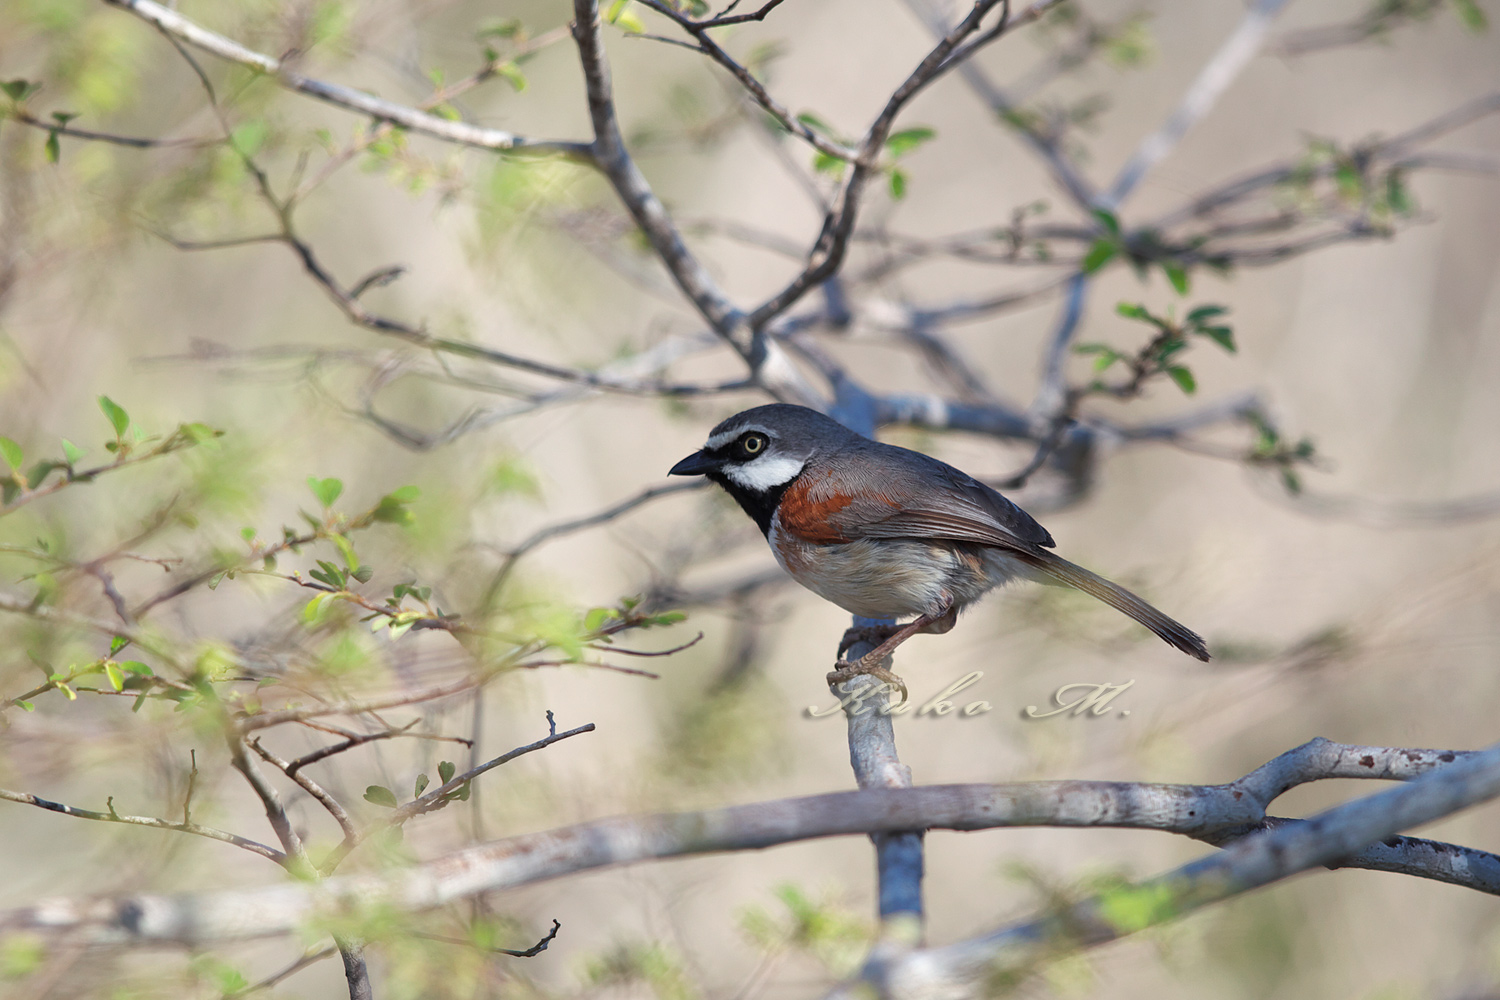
<point>764,473</point>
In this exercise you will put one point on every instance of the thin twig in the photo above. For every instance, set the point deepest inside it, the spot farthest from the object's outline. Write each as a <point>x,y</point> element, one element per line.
<point>111,816</point>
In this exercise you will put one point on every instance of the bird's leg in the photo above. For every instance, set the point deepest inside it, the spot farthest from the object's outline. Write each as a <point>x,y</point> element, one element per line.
<point>870,663</point>
<point>873,634</point>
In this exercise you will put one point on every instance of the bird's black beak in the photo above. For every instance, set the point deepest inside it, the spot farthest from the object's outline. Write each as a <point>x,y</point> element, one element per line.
<point>697,464</point>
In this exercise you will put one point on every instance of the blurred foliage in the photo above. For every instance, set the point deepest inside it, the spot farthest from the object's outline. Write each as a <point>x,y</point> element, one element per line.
<point>167,580</point>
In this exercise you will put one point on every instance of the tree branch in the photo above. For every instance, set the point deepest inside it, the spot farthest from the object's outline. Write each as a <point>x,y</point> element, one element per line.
<point>463,133</point>
<point>827,254</point>
<point>1330,838</point>
<point>768,363</point>
<point>1215,77</point>
<point>111,816</point>
<point>1199,811</point>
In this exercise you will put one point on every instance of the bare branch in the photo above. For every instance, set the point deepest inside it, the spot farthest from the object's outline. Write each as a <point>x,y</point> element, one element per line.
<point>757,90</point>
<point>1331,837</point>
<point>111,816</point>
<point>1063,170</point>
<point>827,254</point>
<point>768,363</point>
<point>463,133</point>
<point>317,791</point>
<point>1201,811</point>
<point>295,855</point>
<point>531,952</point>
<point>604,516</point>
<point>438,797</point>
<point>310,958</point>
<point>725,18</point>
<point>1216,76</point>
<point>133,142</point>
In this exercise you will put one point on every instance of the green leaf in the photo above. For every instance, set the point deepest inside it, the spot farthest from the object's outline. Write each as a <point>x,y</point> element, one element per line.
<point>116,677</point>
<point>513,75</point>
<point>118,418</point>
<point>19,90</point>
<point>903,142</point>
<point>1177,275</point>
<point>1101,253</point>
<point>815,123</point>
<point>248,137</point>
<point>200,433</point>
<point>71,451</point>
<point>1471,15</point>
<point>52,148</point>
<point>446,771</point>
<point>326,490</point>
<point>1132,310</point>
<point>1129,908</point>
<point>346,549</point>
<point>1108,220</point>
<point>508,27</point>
<point>12,453</point>
<point>621,14</point>
<point>1183,378</point>
<point>118,643</point>
<point>312,612</point>
<point>1202,313</point>
<point>898,184</point>
<point>826,164</point>
<point>381,796</point>
<point>421,786</point>
<point>392,507</point>
<point>595,619</point>
<point>1397,197</point>
<point>25,706</point>
<point>1221,335</point>
<point>136,667</point>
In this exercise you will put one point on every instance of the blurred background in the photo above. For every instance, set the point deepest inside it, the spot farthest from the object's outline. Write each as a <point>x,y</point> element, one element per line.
<point>1362,607</point>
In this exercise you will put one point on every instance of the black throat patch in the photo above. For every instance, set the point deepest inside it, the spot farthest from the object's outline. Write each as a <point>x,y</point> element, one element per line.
<point>759,504</point>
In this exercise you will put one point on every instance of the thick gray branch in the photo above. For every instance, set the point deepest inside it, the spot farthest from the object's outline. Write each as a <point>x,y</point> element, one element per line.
<point>1343,836</point>
<point>1193,810</point>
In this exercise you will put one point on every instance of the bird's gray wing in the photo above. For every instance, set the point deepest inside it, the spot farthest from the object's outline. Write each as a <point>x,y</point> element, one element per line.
<point>888,492</point>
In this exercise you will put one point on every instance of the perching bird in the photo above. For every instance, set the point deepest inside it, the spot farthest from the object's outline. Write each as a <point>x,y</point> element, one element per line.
<point>886,532</point>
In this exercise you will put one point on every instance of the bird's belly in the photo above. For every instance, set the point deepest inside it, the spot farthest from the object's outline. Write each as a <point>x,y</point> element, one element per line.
<point>891,578</point>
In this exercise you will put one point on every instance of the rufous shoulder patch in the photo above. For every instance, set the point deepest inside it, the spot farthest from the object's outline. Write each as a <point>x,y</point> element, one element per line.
<point>806,511</point>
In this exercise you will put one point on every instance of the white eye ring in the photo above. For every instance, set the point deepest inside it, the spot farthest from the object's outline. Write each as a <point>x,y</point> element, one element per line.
<point>754,444</point>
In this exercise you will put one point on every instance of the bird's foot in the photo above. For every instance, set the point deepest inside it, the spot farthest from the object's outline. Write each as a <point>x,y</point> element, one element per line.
<point>844,670</point>
<point>873,634</point>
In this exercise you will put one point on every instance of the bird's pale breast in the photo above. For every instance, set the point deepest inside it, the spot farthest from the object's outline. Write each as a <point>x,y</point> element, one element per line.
<point>891,577</point>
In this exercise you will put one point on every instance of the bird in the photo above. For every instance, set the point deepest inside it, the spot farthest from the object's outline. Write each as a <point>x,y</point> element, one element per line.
<point>885,532</point>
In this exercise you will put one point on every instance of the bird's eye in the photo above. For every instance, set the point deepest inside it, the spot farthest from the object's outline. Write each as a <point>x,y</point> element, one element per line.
<point>753,444</point>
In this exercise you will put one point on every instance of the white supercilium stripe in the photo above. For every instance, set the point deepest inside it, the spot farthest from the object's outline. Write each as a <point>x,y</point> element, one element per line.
<point>764,473</point>
<point>722,438</point>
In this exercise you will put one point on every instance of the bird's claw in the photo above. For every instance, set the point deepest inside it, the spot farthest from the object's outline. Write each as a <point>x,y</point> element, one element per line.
<point>843,670</point>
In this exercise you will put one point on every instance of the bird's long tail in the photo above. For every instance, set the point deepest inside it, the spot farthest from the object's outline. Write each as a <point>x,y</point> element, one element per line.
<point>1172,632</point>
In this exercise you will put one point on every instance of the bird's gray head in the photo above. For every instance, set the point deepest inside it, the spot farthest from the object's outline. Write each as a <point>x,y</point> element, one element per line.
<point>760,451</point>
